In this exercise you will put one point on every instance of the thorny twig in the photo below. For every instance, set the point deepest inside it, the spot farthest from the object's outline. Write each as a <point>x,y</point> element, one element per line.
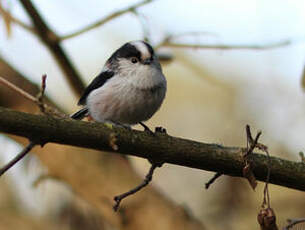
<point>213,179</point>
<point>106,19</point>
<point>145,182</point>
<point>292,222</point>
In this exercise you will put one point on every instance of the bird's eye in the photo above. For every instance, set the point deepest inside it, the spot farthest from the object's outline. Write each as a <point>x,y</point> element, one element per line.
<point>134,60</point>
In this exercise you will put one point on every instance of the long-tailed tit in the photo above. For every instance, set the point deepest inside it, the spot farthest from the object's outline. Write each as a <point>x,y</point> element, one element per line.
<point>129,90</point>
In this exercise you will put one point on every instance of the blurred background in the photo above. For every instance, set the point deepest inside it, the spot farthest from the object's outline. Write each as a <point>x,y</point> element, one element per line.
<point>212,95</point>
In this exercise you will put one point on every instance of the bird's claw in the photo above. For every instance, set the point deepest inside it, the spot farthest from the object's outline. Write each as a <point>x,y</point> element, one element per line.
<point>160,129</point>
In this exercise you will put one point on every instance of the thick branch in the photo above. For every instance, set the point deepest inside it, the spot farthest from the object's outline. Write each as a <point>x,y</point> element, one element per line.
<point>50,39</point>
<point>161,148</point>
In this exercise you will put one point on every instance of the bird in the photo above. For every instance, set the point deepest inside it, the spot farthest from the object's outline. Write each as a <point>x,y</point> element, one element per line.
<point>129,90</point>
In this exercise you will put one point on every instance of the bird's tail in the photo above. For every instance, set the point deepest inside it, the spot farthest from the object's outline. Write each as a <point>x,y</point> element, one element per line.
<point>79,114</point>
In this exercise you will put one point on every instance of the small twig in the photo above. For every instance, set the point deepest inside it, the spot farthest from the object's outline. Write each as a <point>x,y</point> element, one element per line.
<point>44,108</point>
<point>212,180</point>
<point>106,19</point>
<point>253,143</point>
<point>293,222</point>
<point>247,171</point>
<point>39,97</point>
<point>39,101</point>
<point>166,43</point>
<point>145,182</point>
<point>22,154</point>
<point>18,90</point>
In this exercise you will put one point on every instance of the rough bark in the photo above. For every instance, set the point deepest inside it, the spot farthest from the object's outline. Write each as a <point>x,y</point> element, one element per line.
<point>160,148</point>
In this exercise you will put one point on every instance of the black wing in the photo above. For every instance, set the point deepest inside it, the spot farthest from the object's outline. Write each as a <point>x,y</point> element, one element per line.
<point>96,83</point>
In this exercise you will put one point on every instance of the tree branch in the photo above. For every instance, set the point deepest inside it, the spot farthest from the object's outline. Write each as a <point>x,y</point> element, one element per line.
<point>22,154</point>
<point>159,148</point>
<point>169,43</point>
<point>51,40</point>
<point>106,19</point>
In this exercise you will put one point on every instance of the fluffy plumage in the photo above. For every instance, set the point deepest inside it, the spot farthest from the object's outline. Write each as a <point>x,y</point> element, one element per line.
<point>130,88</point>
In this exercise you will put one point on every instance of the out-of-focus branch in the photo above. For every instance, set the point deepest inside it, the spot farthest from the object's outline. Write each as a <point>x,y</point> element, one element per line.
<point>293,222</point>
<point>168,42</point>
<point>159,148</point>
<point>106,19</point>
<point>8,16</point>
<point>22,154</point>
<point>50,39</point>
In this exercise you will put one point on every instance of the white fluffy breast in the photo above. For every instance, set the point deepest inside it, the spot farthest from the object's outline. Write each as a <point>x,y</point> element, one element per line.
<point>130,97</point>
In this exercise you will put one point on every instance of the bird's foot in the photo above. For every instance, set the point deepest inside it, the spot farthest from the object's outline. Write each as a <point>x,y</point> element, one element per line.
<point>160,129</point>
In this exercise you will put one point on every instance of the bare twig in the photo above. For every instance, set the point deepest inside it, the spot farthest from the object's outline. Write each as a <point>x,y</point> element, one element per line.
<point>213,179</point>
<point>18,90</point>
<point>44,108</point>
<point>253,142</point>
<point>39,101</point>
<point>247,170</point>
<point>22,154</point>
<point>293,222</point>
<point>106,19</point>
<point>39,97</point>
<point>145,182</point>
<point>166,43</point>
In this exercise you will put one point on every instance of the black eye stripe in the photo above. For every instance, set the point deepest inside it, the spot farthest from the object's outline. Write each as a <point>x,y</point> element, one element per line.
<point>128,51</point>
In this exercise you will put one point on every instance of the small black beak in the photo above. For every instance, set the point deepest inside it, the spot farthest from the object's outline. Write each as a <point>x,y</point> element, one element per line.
<point>147,61</point>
